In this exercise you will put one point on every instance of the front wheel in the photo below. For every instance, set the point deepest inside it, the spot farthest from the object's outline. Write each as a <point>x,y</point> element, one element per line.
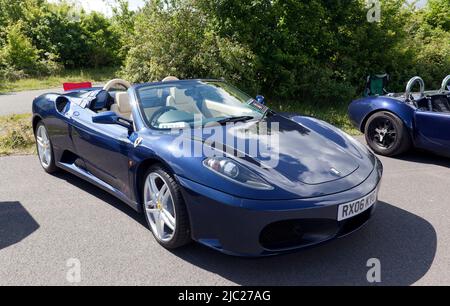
<point>386,134</point>
<point>45,149</point>
<point>164,209</point>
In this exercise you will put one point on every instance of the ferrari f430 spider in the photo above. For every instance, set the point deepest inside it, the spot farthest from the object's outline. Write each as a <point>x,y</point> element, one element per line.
<point>131,141</point>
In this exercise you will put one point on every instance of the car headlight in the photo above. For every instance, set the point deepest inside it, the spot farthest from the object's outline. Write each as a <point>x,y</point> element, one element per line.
<point>231,170</point>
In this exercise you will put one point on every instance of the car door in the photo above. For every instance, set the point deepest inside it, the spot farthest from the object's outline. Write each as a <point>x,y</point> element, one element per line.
<point>432,131</point>
<point>104,149</point>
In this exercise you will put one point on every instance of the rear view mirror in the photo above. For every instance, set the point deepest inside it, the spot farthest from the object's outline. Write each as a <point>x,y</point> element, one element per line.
<point>113,118</point>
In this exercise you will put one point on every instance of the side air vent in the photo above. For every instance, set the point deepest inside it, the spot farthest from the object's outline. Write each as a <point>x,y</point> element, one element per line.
<point>61,104</point>
<point>68,157</point>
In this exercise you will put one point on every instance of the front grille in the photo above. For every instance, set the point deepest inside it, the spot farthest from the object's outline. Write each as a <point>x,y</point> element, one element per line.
<point>352,224</point>
<point>290,234</point>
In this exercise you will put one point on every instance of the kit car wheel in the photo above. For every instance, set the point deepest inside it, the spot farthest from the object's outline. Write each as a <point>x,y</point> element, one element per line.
<point>386,134</point>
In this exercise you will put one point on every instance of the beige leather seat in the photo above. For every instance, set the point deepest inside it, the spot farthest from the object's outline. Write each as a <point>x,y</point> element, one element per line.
<point>122,107</point>
<point>181,101</point>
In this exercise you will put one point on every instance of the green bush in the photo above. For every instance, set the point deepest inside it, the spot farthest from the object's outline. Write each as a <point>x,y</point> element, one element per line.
<point>11,74</point>
<point>432,61</point>
<point>56,35</point>
<point>19,53</point>
<point>103,43</point>
<point>19,58</point>
<point>429,37</point>
<point>123,24</point>
<point>176,40</point>
<point>437,14</point>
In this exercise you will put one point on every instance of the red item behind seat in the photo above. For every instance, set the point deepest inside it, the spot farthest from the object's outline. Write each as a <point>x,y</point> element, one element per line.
<point>72,86</point>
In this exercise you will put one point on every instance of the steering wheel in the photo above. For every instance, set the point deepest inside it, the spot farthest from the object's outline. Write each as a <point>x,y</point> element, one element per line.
<point>154,118</point>
<point>115,82</point>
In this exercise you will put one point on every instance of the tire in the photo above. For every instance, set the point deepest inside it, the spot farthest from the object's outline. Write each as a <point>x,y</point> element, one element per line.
<point>48,166</point>
<point>386,134</point>
<point>181,235</point>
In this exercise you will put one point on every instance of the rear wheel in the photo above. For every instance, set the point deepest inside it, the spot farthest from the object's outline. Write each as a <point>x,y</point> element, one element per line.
<point>386,134</point>
<point>164,209</point>
<point>45,149</point>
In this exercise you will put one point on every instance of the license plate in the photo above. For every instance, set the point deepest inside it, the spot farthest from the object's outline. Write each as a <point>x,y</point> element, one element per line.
<point>357,207</point>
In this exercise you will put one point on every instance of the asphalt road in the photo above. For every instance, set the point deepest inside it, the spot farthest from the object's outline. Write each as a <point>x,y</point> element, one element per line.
<point>46,220</point>
<point>20,102</point>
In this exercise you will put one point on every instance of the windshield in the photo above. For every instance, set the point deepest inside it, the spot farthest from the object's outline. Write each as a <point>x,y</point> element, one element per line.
<point>185,103</point>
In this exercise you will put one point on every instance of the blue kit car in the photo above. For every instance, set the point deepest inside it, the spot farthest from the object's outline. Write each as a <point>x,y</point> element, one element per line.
<point>127,139</point>
<point>393,123</point>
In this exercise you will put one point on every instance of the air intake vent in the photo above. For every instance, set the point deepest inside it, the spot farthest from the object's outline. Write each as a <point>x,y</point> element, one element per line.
<point>61,104</point>
<point>291,234</point>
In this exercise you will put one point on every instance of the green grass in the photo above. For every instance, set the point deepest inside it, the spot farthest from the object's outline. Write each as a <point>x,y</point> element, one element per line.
<point>334,114</point>
<point>79,75</point>
<point>16,135</point>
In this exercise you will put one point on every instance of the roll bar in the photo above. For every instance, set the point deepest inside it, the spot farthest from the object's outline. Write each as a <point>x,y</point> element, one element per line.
<point>444,84</point>
<point>410,85</point>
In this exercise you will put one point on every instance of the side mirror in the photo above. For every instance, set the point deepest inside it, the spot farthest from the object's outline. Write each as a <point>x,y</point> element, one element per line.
<point>261,99</point>
<point>113,118</point>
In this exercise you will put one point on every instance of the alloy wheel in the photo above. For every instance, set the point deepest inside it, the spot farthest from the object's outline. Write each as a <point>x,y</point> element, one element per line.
<point>159,207</point>
<point>44,147</point>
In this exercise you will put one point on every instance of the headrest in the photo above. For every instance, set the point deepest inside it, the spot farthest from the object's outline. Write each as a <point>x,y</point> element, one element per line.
<point>170,101</point>
<point>180,96</point>
<point>170,78</point>
<point>123,102</point>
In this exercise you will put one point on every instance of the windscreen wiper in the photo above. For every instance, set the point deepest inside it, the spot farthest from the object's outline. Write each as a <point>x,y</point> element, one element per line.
<point>235,119</point>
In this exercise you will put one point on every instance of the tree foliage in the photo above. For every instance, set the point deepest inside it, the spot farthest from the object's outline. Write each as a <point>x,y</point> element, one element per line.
<point>173,37</point>
<point>307,50</point>
<point>54,35</point>
<point>312,50</point>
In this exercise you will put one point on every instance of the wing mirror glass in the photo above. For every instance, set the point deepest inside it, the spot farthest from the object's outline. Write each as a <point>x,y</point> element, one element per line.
<point>113,118</point>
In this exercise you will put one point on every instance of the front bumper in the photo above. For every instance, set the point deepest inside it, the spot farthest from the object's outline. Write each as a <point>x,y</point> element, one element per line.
<point>247,227</point>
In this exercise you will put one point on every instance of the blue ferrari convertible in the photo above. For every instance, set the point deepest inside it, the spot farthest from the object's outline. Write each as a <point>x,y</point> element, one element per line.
<point>204,161</point>
<point>395,122</point>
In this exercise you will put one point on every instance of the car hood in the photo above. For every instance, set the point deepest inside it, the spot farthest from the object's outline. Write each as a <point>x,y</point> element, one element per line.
<point>296,152</point>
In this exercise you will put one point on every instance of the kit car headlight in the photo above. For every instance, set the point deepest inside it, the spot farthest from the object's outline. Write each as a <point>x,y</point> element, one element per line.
<point>232,170</point>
